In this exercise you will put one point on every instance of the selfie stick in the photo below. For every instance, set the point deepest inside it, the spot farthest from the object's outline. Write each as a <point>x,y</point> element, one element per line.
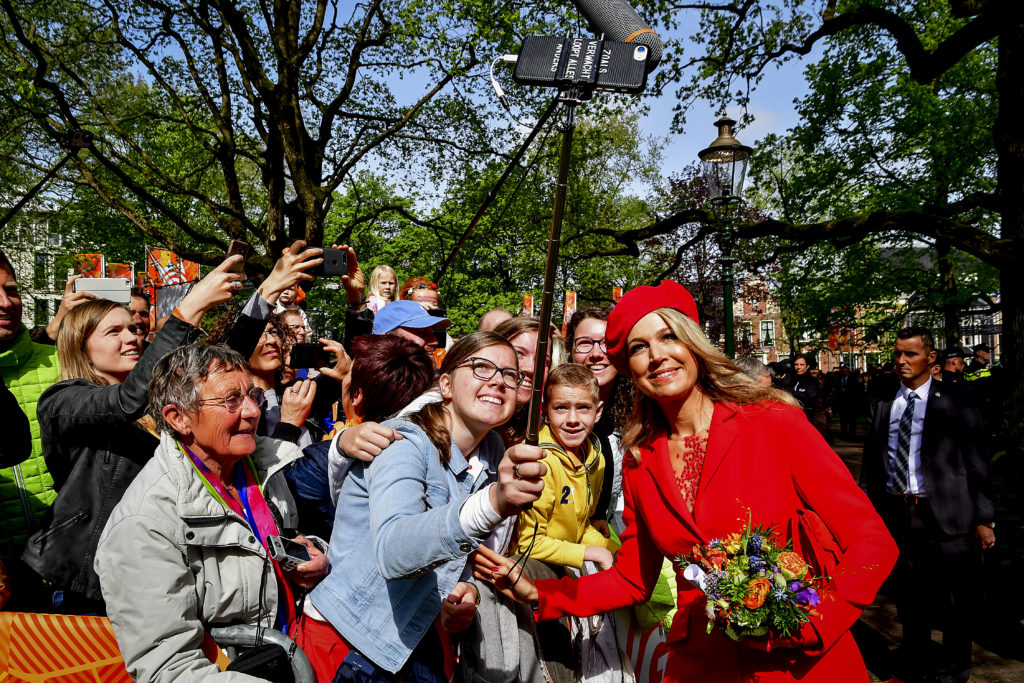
<point>570,97</point>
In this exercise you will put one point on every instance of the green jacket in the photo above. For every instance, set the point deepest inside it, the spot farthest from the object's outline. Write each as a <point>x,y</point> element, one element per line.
<point>26,490</point>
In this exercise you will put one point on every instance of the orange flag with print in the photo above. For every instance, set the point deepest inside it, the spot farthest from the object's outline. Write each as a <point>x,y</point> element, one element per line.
<point>48,647</point>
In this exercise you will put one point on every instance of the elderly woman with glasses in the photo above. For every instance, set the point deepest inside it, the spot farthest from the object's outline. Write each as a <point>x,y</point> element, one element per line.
<point>186,549</point>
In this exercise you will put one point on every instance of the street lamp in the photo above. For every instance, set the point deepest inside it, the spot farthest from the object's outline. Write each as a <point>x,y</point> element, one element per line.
<point>725,167</point>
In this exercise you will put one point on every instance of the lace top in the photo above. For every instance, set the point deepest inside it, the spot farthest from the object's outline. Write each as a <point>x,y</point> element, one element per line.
<point>687,465</point>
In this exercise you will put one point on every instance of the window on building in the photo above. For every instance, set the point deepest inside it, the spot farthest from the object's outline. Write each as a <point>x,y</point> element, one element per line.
<point>39,279</point>
<point>746,333</point>
<point>41,314</point>
<point>767,333</point>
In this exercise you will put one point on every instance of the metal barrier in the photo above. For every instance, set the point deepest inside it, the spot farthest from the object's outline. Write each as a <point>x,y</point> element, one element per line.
<point>244,635</point>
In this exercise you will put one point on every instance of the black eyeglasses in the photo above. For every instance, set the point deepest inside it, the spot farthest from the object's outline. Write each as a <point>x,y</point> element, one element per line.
<point>485,369</point>
<point>233,402</point>
<point>585,345</point>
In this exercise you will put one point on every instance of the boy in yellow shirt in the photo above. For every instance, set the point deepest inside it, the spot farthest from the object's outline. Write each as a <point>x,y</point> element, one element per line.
<point>565,534</point>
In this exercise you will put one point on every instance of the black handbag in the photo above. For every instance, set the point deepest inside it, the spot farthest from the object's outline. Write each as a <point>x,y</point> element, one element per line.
<point>268,661</point>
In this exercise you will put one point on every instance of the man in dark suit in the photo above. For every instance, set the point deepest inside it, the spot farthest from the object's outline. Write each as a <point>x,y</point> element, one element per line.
<point>925,470</point>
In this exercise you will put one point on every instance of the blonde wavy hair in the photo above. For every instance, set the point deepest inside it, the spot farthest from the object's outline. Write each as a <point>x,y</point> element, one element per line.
<point>717,376</point>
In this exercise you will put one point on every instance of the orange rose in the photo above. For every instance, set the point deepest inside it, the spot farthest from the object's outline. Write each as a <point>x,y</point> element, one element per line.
<point>793,566</point>
<point>757,591</point>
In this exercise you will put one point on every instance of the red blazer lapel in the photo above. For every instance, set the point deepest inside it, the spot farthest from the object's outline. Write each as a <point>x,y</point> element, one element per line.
<point>724,428</point>
<point>659,468</point>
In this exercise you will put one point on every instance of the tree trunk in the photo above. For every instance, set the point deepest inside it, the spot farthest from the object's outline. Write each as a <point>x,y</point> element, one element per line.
<point>948,288</point>
<point>1009,145</point>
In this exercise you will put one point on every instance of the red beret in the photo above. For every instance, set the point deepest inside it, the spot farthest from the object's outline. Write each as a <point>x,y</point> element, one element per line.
<point>637,303</point>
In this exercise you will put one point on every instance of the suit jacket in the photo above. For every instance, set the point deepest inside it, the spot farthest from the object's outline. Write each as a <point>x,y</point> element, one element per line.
<point>763,462</point>
<point>953,458</point>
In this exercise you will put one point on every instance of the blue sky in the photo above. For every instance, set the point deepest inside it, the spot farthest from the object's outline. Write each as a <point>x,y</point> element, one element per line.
<point>771,106</point>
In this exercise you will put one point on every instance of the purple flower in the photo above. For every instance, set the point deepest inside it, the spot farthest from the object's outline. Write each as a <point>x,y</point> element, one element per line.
<point>754,545</point>
<point>795,586</point>
<point>807,596</point>
<point>711,587</point>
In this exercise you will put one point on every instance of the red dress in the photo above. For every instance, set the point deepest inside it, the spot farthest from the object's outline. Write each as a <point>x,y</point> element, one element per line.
<point>770,459</point>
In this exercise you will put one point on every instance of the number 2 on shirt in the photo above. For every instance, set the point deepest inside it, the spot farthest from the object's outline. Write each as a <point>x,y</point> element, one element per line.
<point>566,492</point>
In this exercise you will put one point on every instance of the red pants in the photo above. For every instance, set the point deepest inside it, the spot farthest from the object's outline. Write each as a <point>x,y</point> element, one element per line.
<point>323,645</point>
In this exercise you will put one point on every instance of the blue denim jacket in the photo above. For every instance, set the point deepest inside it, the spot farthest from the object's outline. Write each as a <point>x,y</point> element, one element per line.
<point>398,548</point>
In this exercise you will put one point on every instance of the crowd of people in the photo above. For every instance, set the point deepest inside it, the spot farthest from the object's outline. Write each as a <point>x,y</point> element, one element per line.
<point>844,393</point>
<point>379,503</point>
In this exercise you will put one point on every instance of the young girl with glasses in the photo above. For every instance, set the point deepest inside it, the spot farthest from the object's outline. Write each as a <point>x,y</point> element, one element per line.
<point>407,521</point>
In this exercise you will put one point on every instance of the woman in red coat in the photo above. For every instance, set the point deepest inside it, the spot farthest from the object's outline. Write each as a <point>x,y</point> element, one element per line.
<point>708,450</point>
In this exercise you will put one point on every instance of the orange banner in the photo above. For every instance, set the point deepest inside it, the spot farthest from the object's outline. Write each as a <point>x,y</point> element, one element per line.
<point>124,270</point>
<point>90,265</point>
<point>165,268</point>
<point>527,305</point>
<point>570,308</point>
<point>54,647</point>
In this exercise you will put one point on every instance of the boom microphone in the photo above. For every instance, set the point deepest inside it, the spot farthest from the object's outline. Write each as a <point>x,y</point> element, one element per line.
<point>619,21</point>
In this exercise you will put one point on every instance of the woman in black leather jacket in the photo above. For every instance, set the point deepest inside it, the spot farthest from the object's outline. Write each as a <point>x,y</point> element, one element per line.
<point>95,439</point>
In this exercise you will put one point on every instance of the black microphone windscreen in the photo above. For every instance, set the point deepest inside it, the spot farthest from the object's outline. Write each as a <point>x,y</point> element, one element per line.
<point>619,21</point>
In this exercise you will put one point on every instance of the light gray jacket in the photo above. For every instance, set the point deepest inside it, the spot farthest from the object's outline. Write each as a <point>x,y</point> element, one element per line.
<point>172,560</point>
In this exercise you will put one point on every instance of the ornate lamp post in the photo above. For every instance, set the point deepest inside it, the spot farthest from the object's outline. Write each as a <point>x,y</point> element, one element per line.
<point>725,168</point>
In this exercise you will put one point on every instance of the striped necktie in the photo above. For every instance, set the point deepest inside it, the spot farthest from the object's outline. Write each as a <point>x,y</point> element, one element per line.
<point>901,466</point>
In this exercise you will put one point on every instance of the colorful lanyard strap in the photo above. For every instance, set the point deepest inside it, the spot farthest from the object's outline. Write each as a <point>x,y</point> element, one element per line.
<point>217,490</point>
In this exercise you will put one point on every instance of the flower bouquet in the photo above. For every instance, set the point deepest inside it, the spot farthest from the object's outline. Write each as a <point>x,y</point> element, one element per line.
<point>753,586</point>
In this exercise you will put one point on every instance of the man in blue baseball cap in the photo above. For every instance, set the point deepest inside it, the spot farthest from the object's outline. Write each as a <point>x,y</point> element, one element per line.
<point>410,320</point>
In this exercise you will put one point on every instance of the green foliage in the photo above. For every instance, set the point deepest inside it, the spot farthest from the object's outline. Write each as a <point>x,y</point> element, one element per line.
<point>240,120</point>
<point>872,139</point>
<point>611,166</point>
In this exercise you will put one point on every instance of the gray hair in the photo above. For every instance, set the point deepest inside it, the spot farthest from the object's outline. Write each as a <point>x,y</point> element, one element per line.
<point>753,368</point>
<point>179,376</point>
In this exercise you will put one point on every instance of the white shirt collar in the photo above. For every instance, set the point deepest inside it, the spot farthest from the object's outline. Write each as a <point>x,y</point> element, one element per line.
<point>921,391</point>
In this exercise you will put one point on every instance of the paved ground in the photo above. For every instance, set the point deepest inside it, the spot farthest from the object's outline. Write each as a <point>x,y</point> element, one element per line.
<point>999,626</point>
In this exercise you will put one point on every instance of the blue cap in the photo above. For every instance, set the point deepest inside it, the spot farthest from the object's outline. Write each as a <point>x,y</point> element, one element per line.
<point>404,313</point>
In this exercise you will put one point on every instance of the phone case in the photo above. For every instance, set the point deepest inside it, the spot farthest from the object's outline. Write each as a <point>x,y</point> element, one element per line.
<point>116,289</point>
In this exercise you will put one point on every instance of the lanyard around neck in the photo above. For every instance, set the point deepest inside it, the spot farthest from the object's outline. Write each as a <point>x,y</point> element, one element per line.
<point>216,489</point>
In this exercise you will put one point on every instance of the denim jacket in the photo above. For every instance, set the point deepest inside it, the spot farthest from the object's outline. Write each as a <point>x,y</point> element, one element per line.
<point>398,548</point>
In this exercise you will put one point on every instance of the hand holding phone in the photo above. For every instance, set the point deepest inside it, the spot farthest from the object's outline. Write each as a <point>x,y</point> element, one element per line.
<point>238,247</point>
<point>287,552</point>
<point>308,355</point>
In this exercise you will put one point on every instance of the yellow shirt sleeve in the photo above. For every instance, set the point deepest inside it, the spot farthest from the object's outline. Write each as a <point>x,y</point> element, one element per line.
<point>547,548</point>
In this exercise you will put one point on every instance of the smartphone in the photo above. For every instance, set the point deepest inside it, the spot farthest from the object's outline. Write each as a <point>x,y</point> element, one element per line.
<point>118,289</point>
<point>441,335</point>
<point>238,247</point>
<point>287,552</point>
<point>310,355</point>
<point>335,264</point>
